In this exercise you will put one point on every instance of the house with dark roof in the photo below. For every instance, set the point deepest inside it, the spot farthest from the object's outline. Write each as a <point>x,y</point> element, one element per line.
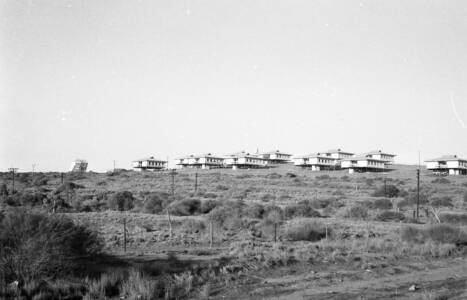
<point>276,157</point>
<point>244,160</point>
<point>447,164</point>
<point>149,164</point>
<point>201,161</point>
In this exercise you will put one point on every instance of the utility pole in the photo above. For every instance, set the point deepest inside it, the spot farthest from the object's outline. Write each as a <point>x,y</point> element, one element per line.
<point>385,186</point>
<point>114,165</point>
<point>196,182</point>
<point>172,173</point>
<point>13,171</point>
<point>418,186</point>
<point>124,234</point>
<point>418,192</point>
<point>33,167</point>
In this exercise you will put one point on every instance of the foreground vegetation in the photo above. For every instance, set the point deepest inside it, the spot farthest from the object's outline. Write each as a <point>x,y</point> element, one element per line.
<point>125,234</point>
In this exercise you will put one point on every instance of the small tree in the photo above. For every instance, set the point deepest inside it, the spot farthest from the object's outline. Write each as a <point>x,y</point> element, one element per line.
<point>3,190</point>
<point>389,191</point>
<point>217,217</point>
<point>121,201</point>
<point>273,218</point>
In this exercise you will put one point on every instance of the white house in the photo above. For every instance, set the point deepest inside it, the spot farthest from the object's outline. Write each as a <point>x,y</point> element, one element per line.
<point>363,164</point>
<point>149,164</point>
<point>202,161</point>
<point>338,154</point>
<point>316,161</point>
<point>244,160</point>
<point>276,157</point>
<point>79,165</point>
<point>378,154</point>
<point>448,164</point>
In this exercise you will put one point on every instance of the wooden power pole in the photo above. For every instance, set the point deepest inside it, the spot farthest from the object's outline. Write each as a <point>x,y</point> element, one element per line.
<point>13,171</point>
<point>418,192</point>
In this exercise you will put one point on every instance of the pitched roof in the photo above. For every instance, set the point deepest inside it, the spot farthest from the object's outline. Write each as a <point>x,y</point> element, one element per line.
<point>151,158</point>
<point>446,158</point>
<point>337,151</point>
<point>276,151</point>
<point>362,157</point>
<point>374,152</point>
<point>316,155</point>
<point>243,154</point>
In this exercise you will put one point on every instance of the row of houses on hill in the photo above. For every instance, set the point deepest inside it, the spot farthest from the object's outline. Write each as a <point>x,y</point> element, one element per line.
<point>335,159</point>
<point>374,161</point>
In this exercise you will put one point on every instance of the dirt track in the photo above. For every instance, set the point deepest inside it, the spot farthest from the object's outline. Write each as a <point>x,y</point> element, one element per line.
<point>442,280</point>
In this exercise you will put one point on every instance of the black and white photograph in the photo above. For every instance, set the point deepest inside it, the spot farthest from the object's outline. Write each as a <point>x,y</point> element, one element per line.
<point>233,149</point>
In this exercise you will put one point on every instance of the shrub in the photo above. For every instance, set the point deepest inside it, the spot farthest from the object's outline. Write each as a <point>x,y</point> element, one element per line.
<point>460,218</point>
<point>34,245</point>
<point>273,176</point>
<point>32,199</point>
<point>413,235</point>
<point>306,230</point>
<point>390,191</point>
<point>68,186</point>
<point>185,207</point>
<point>255,211</point>
<point>382,204</point>
<point>208,205</point>
<point>445,201</point>
<point>441,180</point>
<point>139,286</point>
<point>193,226</point>
<point>107,286</point>
<point>39,180</point>
<point>446,234</point>
<point>441,233</point>
<point>388,216</point>
<point>3,190</point>
<point>210,195</point>
<point>121,201</point>
<point>411,199</point>
<point>345,178</point>
<point>290,175</point>
<point>357,212</point>
<point>156,202</point>
<point>303,209</point>
<point>267,197</point>
<point>221,187</point>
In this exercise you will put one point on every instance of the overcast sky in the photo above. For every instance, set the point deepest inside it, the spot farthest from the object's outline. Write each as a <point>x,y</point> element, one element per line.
<point>120,80</point>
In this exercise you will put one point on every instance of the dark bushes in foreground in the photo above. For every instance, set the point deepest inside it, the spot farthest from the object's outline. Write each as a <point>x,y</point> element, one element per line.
<point>36,246</point>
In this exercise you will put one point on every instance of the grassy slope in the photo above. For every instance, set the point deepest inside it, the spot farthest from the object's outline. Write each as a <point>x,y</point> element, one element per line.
<point>148,234</point>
